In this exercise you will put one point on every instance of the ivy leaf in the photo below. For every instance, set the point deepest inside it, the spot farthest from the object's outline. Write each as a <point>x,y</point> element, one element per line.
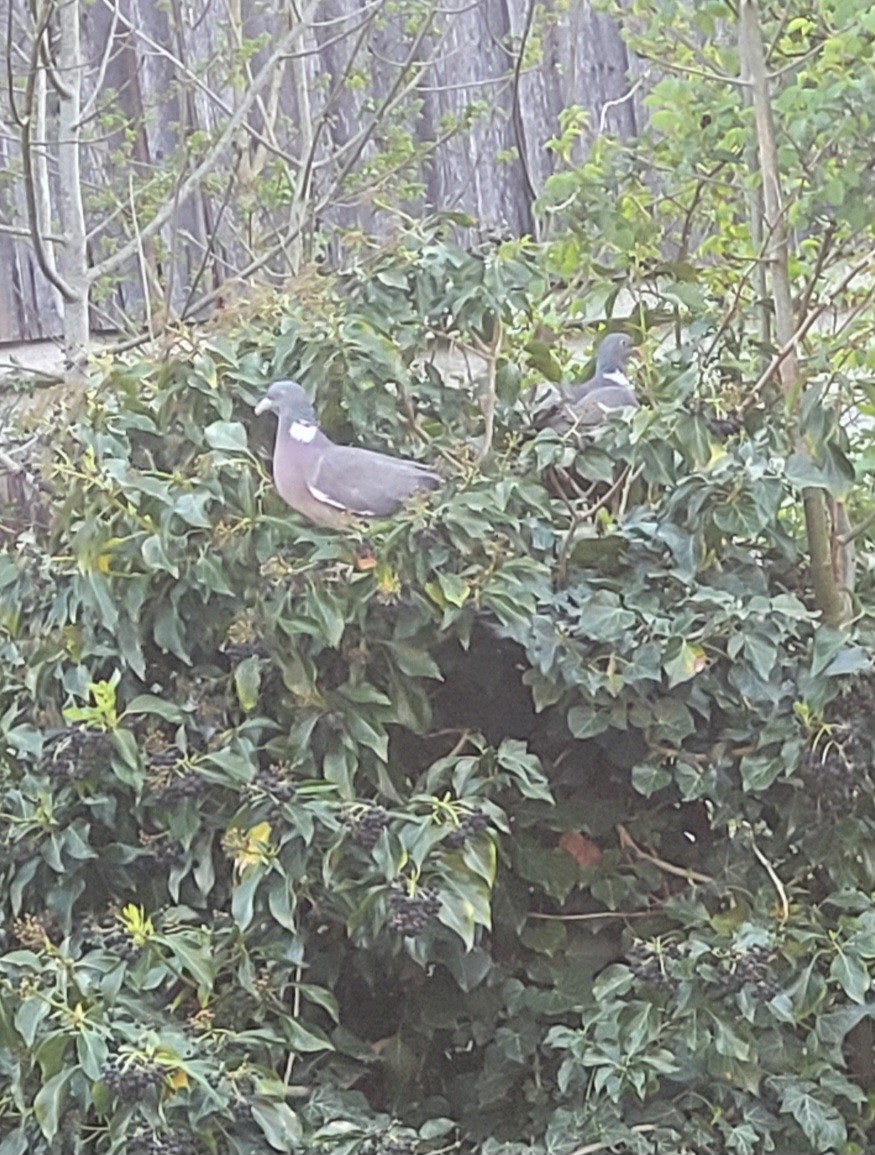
<point>159,707</point>
<point>155,556</point>
<point>229,436</point>
<point>247,682</point>
<point>852,975</point>
<point>683,661</point>
<point>279,1124</point>
<point>50,1101</point>
<point>821,1124</point>
<point>304,1039</point>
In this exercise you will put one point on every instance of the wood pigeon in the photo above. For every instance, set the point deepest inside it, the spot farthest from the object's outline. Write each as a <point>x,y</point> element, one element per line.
<point>331,483</point>
<point>588,404</point>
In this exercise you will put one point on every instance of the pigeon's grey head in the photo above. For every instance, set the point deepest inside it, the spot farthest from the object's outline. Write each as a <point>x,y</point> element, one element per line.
<point>290,402</point>
<point>614,353</point>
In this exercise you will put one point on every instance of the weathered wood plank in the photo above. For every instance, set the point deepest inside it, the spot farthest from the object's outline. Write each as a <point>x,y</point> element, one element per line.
<point>168,75</point>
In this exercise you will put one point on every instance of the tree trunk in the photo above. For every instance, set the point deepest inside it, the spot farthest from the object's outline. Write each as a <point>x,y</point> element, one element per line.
<point>832,600</point>
<point>74,266</point>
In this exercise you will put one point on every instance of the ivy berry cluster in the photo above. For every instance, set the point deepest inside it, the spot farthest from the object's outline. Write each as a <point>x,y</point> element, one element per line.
<point>273,781</point>
<point>470,825</point>
<point>647,962</point>
<point>412,912</point>
<point>130,1079</point>
<point>388,1144</point>
<point>146,1142</point>
<point>366,826</point>
<point>74,753</point>
<point>754,969</point>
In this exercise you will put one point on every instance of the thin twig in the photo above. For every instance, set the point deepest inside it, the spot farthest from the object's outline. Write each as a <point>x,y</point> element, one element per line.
<point>790,346</point>
<point>296,1010</point>
<point>516,111</point>
<point>592,1148</point>
<point>490,352</point>
<point>590,917</point>
<point>686,872</point>
<point>846,538</point>
<point>617,102</point>
<point>194,181</point>
<point>776,882</point>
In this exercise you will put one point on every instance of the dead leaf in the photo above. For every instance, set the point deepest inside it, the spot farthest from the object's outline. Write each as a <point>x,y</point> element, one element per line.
<point>582,849</point>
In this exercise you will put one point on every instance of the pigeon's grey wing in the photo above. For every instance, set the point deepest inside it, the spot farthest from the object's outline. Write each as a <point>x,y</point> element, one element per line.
<point>596,405</point>
<point>366,483</point>
<point>558,414</point>
<point>578,392</point>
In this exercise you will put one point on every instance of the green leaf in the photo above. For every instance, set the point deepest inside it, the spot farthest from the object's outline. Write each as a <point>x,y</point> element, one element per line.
<point>821,1124</point>
<point>683,661</point>
<point>229,436</point>
<point>614,982</point>
<point>456,591</point>
<point>852,975</point>
<point>50,1101</point>
<point>850,660</point>
<point>759,771</point>
<point>325,611</point>
<point>457,913</point>
<point>435,1128</point>
<point>304,1039</point>
<point>649,779</point>
<point>279,1124</point>
<point>167,631</point>
<point>151,704</point>
<point>155,556</point>
<point>191,508</point>
<point>587,721</point>
<point>247,682</point>
<point>29,1017</point>
<point>195,958</point>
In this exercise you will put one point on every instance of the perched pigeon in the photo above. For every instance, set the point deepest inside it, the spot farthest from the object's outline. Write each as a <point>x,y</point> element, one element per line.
<point>330,483</point>
<point>587,405</point>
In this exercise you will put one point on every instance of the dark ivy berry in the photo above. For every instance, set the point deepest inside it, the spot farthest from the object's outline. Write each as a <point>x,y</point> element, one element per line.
<point>130,1079</point>
<point>75,753</point>
<point>396,1145</point>
<point>147,1142</point>
<point>366,826</point>
<point>165,851</point>
<point>726,426</point>
<point>182,786</point>
<point>119,942</point>
<point>470,825</point>
<point>411,913</point>
<point>648,964</point>
<point>273,781</point>
<point>833,780</point>
<point>165,758</point>
<point>241,1111</point>
<point>752,969</point>
<point>237,652</point>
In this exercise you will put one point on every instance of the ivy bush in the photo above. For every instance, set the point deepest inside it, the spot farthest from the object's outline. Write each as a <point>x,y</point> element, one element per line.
<point>543,823</point>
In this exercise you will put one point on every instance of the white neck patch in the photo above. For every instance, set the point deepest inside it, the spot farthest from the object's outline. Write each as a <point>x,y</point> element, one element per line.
<point>302,431</point>
<point>618,377</point>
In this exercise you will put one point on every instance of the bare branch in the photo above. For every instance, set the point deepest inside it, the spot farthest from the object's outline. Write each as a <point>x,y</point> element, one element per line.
<point>32,196</point>
<point>516,110</point>
<point>15,231</point>
<point>789,347</point>
<point>106,56</point>
<point>609,104</point>
<point>205,167</point>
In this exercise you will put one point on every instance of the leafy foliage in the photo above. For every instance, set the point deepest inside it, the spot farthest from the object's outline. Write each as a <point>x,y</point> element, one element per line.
<point>544,821</point>
<point>552,822</point>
